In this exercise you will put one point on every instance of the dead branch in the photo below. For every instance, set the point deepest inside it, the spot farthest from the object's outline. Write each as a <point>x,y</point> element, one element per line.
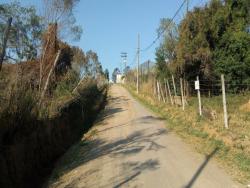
<point>79,83</point>
<point>49,75</point>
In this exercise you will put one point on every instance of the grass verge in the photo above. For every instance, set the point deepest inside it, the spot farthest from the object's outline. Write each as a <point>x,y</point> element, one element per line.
<point>235,160</point>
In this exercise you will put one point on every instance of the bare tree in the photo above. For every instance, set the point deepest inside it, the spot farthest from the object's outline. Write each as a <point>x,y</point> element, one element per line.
<point>61,12</point>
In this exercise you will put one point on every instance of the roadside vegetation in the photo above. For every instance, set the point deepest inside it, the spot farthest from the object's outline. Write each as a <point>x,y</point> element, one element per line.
<point>205,135</point>
<point>50,91</point>
<point>209,41</point>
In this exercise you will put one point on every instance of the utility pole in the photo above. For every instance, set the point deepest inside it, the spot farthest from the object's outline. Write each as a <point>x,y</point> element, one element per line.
<point>187,5</point>
<point>138,63</point>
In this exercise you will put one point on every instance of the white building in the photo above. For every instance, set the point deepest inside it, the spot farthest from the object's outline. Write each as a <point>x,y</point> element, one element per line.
<point>119,78</point>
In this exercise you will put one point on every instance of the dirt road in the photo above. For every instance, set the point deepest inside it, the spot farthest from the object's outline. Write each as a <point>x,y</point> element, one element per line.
<point>132,148</point>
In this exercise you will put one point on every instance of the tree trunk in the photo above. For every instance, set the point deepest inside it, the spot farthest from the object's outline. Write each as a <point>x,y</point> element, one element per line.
<point>6,36</point>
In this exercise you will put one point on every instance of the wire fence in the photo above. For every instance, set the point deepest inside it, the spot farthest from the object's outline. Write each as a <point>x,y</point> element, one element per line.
<point>207,99</point>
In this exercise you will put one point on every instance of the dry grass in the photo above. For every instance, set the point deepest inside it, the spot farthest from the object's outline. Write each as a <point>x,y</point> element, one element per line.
<point>205,134</point>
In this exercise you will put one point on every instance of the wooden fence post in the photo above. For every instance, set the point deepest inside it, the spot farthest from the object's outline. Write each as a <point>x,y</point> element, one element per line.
<point>158,90</point>
<point>170,95</point>
<point>166,91</point>
<point>182,94</point>
<point>175,93</point>
<point>224,101</point>
<point>187,89</point>
<point>197,87</point>
<point>154,85</point>
<point>162,93</point>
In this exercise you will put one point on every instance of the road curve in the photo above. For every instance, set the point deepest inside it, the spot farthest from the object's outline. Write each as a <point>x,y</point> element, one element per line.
<point>132,148</point>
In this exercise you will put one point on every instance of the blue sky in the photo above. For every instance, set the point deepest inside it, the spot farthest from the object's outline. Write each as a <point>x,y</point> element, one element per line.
<point>111,26</point>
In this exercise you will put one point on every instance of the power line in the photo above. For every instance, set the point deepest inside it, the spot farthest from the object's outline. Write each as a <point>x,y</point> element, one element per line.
<point>159,35</point>
<point>133,61</point>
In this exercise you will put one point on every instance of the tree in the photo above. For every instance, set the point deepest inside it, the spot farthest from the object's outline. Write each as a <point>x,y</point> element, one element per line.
<point>126,70</point>
<point>106,73</point>
<point>209,41</point>
<point>79,63</point>
<point>25,31</point>
<point>5,39</point>
<point>94,67</point>
<point>169,38</point>
<point>193,52</point>
<point>232,52</point>
<point>162,70</point>
<point>214,39</point>
<point>166,52</point>
<point>114,74</point>
<point>61,12</point>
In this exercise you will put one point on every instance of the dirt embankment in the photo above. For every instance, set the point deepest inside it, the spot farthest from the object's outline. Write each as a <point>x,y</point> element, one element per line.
<point>29,148</point>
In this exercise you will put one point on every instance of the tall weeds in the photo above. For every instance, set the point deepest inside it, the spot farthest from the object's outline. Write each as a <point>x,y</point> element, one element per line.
<point>32,137</point>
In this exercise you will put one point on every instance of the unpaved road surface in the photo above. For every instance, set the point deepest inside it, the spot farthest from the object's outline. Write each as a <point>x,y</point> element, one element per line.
<point>132,148</point>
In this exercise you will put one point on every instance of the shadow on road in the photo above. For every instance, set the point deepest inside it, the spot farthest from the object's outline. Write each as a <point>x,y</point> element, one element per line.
<point>135,169</point>
<point>109,111</point>
<point>201,168</point>
<point>127,180</point>
<point>136,142</point>
<point>143,119</point>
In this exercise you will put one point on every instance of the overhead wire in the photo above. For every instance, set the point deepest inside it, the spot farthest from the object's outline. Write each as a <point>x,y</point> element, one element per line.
<point>134,59</point>
<point>159,35</point>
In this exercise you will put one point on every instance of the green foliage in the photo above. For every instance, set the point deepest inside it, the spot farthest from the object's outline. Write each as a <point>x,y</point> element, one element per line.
<point>94,67</point>
<point>106,73</point>
<point>20,108</point>
<point>169,39</point>
<point>166,52</point>
<point>79,63</point>
<point>244,161</point>
<point>162,70</point>
<point>67,84</point>
<point>193,51</point>
<point>25,33</point>
<point>232,57</point>
<point>212,40</point>
<point>86,65</point>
